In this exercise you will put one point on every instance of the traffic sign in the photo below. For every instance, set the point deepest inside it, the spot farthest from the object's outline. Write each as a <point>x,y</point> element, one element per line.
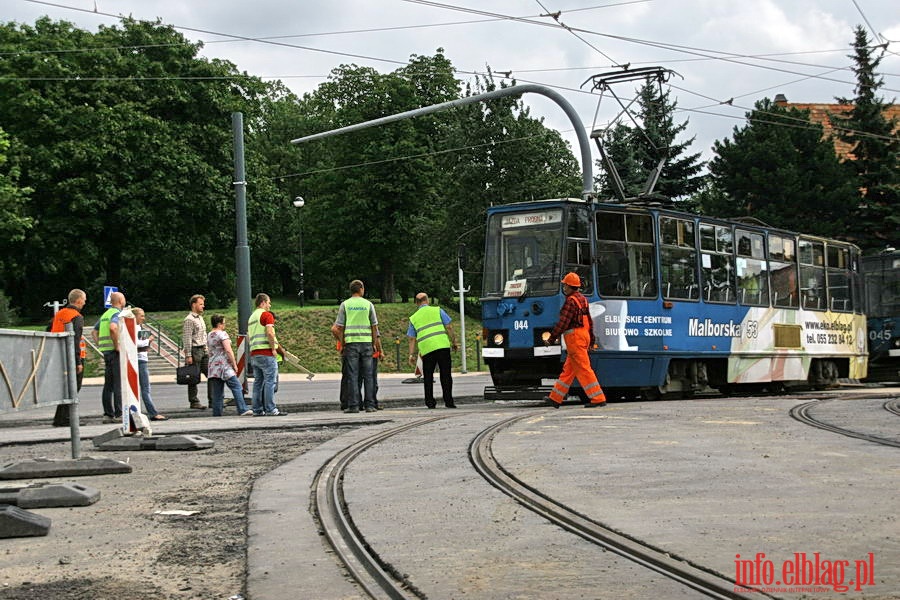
<point>107,292</point>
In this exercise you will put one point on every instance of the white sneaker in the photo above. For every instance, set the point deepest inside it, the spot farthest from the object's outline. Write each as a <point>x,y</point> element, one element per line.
<point>247,413</point>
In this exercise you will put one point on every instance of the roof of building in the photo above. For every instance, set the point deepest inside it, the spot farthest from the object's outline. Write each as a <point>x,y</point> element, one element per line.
<point>819,113</point>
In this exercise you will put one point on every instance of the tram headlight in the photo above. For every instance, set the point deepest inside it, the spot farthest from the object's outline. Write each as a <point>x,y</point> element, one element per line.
<point>498,339</point>
<point>545,337</point>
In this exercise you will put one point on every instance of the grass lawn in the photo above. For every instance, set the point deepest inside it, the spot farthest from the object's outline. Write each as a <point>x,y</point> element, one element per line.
<point>306,332</point>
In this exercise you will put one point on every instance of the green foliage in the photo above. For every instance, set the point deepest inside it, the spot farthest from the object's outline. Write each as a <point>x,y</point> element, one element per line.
<point>779,169</point>
<point>876,152</point>
<point>8,315</point>
<point>13,221</point>
<point>129,159</point>
<point>636,153</point>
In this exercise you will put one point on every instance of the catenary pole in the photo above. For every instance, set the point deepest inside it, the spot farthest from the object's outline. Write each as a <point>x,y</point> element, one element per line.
<point>242,246</point>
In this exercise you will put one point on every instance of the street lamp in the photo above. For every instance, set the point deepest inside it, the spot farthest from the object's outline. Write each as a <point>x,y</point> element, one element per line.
<point>298,203</point>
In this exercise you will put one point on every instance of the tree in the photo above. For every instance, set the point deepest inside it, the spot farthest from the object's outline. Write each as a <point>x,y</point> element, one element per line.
<point>501,155</point>
<point>636,152</point>
<point>128,143</point>
<point>875,149</point>
<point>378,183</point>
<point>779,169</point>
<point>14,223</point>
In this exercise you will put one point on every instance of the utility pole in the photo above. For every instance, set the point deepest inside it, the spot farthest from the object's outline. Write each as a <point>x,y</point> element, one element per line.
<point>461,263</point>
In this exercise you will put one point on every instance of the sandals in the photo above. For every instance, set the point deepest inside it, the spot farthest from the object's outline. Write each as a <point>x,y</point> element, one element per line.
<point>159,418</point>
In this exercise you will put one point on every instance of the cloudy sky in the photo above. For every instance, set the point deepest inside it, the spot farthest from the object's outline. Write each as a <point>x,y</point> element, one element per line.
<point>723,50</point>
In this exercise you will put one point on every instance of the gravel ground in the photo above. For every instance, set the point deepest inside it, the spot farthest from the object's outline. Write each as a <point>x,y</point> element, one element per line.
<point>122,547</point>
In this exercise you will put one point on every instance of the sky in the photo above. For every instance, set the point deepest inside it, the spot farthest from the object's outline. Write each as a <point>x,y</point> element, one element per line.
<point>726,54</point>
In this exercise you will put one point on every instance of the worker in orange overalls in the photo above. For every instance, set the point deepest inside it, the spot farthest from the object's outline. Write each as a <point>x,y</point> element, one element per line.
<point>71,314</point>
<point>576,325</point>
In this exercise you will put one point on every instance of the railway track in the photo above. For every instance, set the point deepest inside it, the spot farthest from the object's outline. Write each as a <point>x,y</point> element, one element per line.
<point>893,406</point>
<point>482,458</point>
<point>377,578</point>
<point>802,413</point>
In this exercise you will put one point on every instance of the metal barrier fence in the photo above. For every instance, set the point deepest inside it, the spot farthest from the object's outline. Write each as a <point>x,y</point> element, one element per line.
<point>37,369</point>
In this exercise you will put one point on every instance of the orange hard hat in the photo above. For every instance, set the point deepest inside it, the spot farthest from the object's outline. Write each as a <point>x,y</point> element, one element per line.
<point>572,279</point>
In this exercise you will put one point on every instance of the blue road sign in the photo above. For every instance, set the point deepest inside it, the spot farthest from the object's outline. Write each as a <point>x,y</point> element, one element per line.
<point>107,292</point>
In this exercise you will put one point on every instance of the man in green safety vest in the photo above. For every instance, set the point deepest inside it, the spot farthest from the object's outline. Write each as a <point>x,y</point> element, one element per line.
<point>263,345</point>
<point>429,328</point>
<point>106,336</point>
<point>356,331</point>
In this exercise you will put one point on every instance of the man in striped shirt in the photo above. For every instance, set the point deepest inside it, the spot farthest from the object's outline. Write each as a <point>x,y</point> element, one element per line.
<point>193,342</point>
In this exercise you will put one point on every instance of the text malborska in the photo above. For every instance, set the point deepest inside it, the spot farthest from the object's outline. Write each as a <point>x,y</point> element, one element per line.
<point>709,328</point>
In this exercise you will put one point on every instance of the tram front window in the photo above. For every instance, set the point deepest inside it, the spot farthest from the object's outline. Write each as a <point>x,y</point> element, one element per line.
<point>524,247</point>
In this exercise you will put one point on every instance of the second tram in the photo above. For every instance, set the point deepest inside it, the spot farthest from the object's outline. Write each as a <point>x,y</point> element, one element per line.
<point>882,280</point>
<point>679,301</point>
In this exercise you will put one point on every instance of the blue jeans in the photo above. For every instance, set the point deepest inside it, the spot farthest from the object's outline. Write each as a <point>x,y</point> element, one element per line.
<point>111,396</point>
<point>265,375</point>
<point>144,379</point>
<point>217,387</point>
<point>359,370</point>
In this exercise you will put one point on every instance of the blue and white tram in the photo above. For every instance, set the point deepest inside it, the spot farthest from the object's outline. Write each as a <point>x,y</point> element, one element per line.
<point>679,301</point>
<point>882,280</point>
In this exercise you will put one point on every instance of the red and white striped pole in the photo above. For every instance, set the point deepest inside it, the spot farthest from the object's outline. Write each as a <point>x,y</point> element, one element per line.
<point>242,361</point>
<point>128,369</point>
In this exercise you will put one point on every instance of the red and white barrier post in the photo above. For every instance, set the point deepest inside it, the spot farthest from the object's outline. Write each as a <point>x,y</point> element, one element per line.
<point>128,372</point>
<point>241,357</point>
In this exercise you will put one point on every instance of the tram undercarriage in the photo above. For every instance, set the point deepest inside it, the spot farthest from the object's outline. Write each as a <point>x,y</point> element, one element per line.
<point>684,378</point>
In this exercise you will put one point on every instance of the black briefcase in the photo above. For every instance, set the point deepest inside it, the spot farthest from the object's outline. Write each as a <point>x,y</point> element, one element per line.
<point>188,375</point>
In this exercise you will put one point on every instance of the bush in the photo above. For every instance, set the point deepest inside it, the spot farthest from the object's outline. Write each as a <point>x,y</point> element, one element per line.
<point>8,315</point>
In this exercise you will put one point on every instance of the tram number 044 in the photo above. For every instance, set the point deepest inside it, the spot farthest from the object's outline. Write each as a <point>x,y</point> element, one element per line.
<point>520,324</point>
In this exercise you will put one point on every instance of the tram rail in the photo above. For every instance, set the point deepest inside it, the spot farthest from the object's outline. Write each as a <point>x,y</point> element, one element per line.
<point>482,458</point>
<point>377,578</point>
<point>802,414</point>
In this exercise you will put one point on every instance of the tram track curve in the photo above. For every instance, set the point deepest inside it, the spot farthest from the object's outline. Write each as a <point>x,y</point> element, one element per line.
<point>892,406</point>
<point>377,578</point>
<point>802,414</point>
<point>482,458</point>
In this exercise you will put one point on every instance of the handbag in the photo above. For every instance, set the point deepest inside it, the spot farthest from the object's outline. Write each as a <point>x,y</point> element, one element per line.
<point>187,375</point>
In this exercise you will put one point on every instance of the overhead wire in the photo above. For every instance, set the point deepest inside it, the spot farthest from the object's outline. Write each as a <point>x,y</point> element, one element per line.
<point>492,16</point>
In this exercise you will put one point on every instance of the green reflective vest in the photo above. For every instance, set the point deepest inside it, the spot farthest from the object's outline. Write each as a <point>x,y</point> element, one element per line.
<point>106,341</point>
<point>357,325</point>
<point>257,332</point>
<point>430,332</point>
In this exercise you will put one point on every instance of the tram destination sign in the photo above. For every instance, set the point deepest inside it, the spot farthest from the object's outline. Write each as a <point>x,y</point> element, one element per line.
<point>531,219</point>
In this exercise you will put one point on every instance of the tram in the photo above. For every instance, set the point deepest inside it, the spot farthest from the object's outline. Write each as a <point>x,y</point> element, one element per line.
<point>881,274</point>
<point>679,302</point>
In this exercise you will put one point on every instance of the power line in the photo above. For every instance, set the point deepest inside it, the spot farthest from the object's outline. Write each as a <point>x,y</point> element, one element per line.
<point>877,35</point>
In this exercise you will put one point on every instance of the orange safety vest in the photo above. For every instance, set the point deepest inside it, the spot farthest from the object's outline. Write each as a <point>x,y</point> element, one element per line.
<point>63,316</point>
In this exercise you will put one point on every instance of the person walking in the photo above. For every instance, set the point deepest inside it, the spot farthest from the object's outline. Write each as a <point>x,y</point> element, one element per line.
<point>193,341</point>
<point>429,328</point>
<point>144,337</point>
<point>71,314</point>
<point>223,369</point>
<point>356,331</point>
<point>106,336</point>
<point>577,328</point>
<point>261,333</point>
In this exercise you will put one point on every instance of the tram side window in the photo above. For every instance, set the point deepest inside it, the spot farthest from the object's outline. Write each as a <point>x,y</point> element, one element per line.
<point>716,263</point>
<point>578,248</point>
<point>678,259</point>
<point>783,269</point>
<point>840,295</point>
<point>812,274</point>
<point>625,264</point>
<point>752,278</point>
